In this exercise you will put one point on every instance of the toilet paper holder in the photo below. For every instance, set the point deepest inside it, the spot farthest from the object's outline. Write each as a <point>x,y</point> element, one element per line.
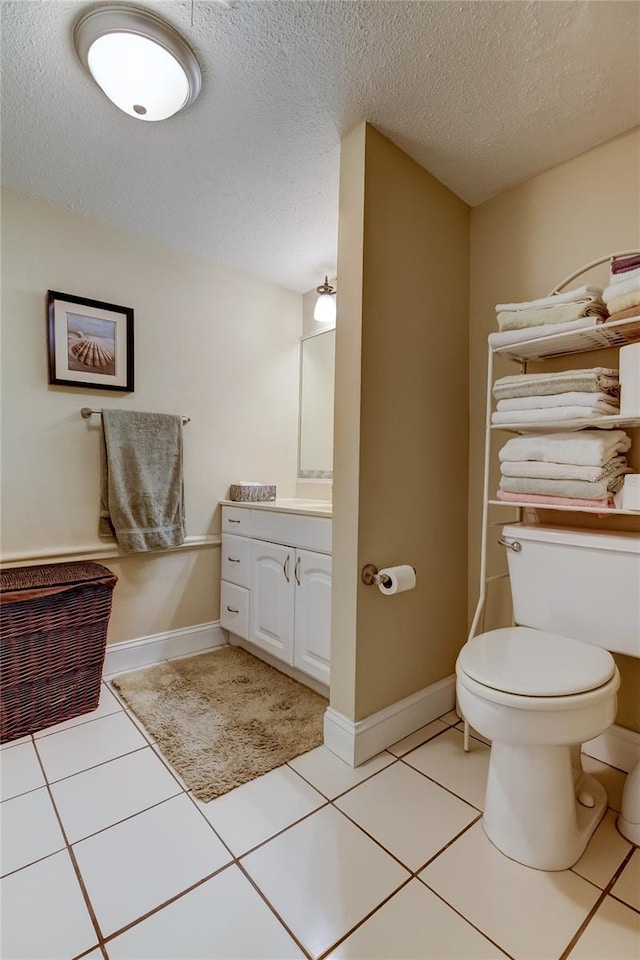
<point>371,577</point>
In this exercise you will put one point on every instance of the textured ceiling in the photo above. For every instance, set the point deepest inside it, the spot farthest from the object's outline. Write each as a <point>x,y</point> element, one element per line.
<point>483,94</point>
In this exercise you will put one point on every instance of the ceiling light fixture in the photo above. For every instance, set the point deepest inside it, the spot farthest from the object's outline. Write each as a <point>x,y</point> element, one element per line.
<point>325,308</point>
<point>140,62</point>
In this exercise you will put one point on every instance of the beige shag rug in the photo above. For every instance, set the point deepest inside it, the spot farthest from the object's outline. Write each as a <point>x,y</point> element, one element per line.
<point>225,717</point>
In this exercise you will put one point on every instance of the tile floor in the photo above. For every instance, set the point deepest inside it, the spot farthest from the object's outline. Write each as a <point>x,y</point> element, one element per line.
<point>106,854</point>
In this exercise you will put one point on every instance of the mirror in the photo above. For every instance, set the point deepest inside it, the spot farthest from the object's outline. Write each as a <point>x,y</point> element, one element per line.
<point>315,446</point>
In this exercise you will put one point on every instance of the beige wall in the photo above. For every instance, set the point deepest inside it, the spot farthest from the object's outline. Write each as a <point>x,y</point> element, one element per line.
<point>211,343</point>
<point>401,432</point>
<point>523,243</point>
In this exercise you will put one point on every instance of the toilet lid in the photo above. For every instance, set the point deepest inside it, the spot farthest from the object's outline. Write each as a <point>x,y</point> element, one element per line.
<point>534,663</point>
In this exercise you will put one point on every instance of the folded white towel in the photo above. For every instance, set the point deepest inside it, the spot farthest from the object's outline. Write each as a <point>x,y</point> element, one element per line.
<point>574,398</point>
<point>580,294</point>
<point>625,301</point>
<point>584,447</point>
<point>542,414</point>
<point>504,338</point>
<point>564,471</point>
<point>620,289</point>
<point>618,278</point>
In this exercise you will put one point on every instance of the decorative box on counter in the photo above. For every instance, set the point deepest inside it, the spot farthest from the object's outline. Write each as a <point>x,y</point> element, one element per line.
<point>246,492</point>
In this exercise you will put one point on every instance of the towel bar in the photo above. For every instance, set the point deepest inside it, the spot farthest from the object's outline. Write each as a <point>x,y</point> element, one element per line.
<point>86,412</point>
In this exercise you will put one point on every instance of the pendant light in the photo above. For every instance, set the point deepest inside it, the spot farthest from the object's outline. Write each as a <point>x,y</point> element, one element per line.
<point>140,62</point>
<point>325,308</point>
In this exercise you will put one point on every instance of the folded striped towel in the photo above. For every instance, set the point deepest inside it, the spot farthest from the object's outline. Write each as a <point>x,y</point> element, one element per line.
<point>594,380</point>
<point>550,316</point>
<point>622,265</point>
<point>507,338</point>
<point>616,467</point>
<point>585,489</point>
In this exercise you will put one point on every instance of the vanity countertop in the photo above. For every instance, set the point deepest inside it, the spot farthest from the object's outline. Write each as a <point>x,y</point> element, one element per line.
<point>308,508</point>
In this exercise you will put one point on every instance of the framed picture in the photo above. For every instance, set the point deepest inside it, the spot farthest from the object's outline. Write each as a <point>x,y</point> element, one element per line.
<point>90,343</point>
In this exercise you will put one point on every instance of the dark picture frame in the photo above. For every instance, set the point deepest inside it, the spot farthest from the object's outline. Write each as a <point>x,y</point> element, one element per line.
<point>90,343</point>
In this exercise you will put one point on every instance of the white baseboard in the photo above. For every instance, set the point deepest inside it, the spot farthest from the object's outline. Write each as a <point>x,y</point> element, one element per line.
<point>144,651</point>
<point>617,746</point>
<point>355,742</point>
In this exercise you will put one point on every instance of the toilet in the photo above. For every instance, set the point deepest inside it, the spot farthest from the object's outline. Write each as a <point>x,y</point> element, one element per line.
<point>540,689</point>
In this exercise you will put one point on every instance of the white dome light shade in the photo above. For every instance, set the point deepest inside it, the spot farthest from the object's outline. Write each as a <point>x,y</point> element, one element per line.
<point>140,62</point>
<point>325,308</point>
<point>140,77</point>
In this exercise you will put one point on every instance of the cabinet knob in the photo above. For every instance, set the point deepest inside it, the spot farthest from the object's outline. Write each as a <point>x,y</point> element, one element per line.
<point>234,521</point>
<point>285,568</point>
<point>297,571</point>
<point>232,560</point>
<point>232,609</point>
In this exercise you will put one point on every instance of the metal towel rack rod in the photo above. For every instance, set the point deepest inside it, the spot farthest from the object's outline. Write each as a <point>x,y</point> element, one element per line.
<point>86,412</point>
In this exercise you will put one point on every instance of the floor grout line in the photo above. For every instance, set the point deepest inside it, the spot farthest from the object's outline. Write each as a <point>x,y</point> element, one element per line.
<point>360,923</point>
<point>601,899</point>
<point>466,919</point>
<point>625,903</point>
<point>165,903</point>
<point>273,910</point>
<point>32,863</point>
<point>95,766</point>
<point>439,784</point>
<point>71,854</point>
<point>236,860</point>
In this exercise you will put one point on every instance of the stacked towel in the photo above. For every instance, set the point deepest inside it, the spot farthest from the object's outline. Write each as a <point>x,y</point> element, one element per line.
<point>582,307</point>
<point>622,296</point>
<point>568,395</point>
<point>564,469</point>
<point>510,337</point>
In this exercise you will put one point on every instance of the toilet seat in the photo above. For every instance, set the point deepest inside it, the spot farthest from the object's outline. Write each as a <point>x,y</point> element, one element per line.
<point>532,663</point>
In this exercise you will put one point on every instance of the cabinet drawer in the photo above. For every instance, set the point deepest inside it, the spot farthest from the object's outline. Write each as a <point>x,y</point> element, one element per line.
<point>295,530</point>
<point>234,609</point>
<point>236,520</point>
<point>235,559</point>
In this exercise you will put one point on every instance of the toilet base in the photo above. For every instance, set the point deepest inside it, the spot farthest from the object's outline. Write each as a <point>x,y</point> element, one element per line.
<point>532,813</point>
<point>629,819</point>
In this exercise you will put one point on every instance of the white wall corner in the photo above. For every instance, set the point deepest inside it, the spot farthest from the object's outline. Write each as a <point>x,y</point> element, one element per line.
<point>356,742</point>
<point>144,651</point>
<point>617,746</point>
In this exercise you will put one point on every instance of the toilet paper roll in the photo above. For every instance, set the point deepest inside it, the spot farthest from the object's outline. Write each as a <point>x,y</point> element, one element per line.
<point>630,398</point>
<point>630,493</point>
<point>400,578</point>
<point>629,364</point>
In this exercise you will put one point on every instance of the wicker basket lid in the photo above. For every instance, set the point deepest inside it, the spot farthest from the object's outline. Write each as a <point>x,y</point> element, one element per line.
<point>53,576</point>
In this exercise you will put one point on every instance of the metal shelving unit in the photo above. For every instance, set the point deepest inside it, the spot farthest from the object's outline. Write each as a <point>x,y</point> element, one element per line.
<point>605,335</point>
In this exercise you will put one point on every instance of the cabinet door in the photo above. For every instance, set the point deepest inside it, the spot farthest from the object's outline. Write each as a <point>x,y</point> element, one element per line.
<point>312,650</point>
<point>272,598</point>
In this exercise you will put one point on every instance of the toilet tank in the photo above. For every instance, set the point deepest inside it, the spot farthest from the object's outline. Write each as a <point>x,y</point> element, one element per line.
<point>583,584</point>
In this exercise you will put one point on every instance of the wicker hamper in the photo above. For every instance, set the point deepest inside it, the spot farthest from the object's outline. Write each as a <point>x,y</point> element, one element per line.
<point>53,634</point>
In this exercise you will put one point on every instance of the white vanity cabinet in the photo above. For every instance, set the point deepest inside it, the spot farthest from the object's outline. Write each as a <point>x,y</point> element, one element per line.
<point>276,585</point>
<point>272,598</point>
<point>311,650</point>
